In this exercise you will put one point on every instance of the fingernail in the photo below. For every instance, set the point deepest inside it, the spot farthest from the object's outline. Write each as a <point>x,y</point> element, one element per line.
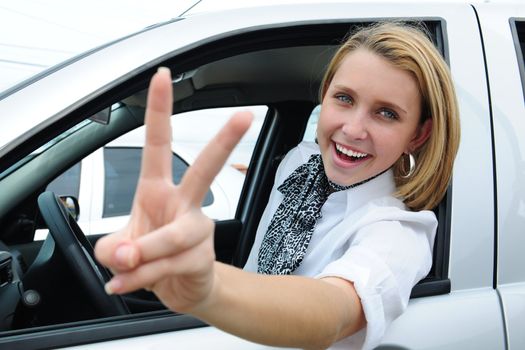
<point>113,286</point>
<point>164,70</point>
<point>125,256</point>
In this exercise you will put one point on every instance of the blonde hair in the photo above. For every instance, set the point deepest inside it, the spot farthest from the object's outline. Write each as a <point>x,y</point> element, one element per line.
<point>408,48</point>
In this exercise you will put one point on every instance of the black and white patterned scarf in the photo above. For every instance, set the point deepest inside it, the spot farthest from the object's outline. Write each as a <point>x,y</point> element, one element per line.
<point>285,243</point>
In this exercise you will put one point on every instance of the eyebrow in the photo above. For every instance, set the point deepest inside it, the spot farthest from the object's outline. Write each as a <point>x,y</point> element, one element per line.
<point>385,103</point>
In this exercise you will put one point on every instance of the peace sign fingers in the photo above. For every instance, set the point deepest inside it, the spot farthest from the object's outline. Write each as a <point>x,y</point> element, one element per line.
<point>200,175</point>
<point>166,222</point>
<point>157,154</point>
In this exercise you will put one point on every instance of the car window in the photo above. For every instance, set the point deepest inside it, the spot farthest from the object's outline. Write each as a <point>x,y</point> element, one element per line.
<point>67,183</point>
<point>121,173</point>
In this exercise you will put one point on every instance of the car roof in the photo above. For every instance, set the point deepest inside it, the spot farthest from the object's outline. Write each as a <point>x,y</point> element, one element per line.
<point>213,5</point>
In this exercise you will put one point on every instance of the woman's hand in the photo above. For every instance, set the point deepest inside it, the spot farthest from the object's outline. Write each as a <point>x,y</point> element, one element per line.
<point>167,246</point>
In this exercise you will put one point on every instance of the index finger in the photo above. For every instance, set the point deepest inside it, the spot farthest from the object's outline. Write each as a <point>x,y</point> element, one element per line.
<point>200,174</point>
<point>157,154</point>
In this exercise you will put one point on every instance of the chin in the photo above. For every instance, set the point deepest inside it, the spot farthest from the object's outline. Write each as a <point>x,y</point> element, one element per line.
<point>340,179</point>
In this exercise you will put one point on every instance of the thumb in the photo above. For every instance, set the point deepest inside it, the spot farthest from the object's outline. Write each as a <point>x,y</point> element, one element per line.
<point>117,251</point>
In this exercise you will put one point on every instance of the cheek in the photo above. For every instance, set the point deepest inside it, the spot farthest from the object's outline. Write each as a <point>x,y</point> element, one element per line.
<point>321,124</point>
<point>391,141</point>
<point>325,130</point>
<point>328,120</point>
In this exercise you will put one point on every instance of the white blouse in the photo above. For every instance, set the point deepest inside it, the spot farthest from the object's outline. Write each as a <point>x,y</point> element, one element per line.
<point>367,236</point>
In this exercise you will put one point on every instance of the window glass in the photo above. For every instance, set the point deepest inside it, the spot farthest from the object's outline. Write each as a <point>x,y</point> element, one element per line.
<point>67,183</point>
<point>191,131</point>
<point>121,173</point>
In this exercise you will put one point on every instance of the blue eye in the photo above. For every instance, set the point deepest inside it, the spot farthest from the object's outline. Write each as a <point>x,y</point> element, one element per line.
<point>388,114</point>
<point>344,98</point>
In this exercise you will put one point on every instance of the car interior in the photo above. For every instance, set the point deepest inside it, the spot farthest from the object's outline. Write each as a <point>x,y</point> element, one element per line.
<point>57,280</point>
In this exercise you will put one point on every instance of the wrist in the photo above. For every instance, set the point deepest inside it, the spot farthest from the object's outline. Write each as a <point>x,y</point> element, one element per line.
<point>210,301</point>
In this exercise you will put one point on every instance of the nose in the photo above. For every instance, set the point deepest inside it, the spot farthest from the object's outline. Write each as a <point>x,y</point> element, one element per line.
<point>355,126</point>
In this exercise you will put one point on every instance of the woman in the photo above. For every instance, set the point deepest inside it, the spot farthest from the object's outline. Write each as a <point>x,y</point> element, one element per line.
<point>347,231</point>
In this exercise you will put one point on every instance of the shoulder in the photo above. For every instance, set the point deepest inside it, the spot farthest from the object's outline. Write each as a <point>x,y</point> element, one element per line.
<point>385,224</point>
<point>389,208</point>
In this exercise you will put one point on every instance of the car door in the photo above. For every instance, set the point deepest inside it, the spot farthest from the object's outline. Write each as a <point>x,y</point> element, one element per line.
<point>470,316</point>
<point>503,30</point>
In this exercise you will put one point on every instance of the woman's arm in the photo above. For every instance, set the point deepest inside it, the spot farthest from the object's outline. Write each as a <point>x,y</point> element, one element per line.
<point>290,311</point>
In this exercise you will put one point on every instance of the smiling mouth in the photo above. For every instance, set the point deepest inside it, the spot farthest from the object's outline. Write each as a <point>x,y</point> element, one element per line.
<point>348,155</point>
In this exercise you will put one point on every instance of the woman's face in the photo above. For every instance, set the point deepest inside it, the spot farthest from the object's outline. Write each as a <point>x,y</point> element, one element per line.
<point>369,116</point>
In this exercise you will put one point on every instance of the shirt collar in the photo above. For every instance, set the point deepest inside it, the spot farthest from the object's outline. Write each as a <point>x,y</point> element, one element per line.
<point>380,186</point>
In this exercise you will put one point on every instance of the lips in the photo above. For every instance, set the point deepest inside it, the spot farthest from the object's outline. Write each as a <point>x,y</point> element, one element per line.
<point>348,155</point>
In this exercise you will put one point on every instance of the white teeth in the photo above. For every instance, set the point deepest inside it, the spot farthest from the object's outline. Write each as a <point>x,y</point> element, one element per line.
<point>349,152</point>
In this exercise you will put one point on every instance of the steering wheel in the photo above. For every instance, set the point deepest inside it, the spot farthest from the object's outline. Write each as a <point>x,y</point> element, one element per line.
<point>79,254</point>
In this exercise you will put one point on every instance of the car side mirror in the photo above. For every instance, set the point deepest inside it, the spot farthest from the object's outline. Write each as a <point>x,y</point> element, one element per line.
<point>71,204</point>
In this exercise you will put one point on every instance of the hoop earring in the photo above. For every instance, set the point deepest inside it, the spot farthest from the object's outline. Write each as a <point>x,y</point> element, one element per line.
<point>412,162</point>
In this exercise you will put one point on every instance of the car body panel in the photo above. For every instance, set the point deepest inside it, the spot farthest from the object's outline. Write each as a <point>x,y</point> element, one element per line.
<point>513,303</point>
<point>461,320</point>
<point>199,338</point>
<point>471,243</point>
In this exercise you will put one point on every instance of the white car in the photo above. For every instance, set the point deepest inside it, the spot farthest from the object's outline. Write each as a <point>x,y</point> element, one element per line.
<point>51,291</point>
